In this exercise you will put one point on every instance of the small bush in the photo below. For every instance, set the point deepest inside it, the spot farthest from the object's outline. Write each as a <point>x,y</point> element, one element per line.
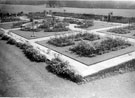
<point>11,41</point>
<point>61,41</point>
<point>5,37</point>
<point>1,34</point>
<point>63,69</point>
<point>33,54</point>
<point>84,49</point>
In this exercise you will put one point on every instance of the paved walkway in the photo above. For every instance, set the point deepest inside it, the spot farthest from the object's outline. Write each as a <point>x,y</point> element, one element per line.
<point>80,68</point>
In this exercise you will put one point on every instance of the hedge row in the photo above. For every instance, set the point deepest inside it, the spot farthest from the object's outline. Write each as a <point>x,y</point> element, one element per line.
<point>63,69</point>
<point>28,50</point>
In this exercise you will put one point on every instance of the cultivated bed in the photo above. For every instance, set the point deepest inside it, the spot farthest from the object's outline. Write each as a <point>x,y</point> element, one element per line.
<point>91,59</point>
<point>128,31</point>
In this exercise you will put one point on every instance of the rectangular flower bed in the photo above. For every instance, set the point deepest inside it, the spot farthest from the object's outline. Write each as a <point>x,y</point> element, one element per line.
<point>92,51</point>
<point>128,31</point>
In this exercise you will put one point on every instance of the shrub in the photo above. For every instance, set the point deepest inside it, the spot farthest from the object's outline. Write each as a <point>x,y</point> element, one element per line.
<point>11,41</point>
<point>85,24</point>
<point>98,48</point>
<point>119,31</point>
<point>84,49</point>
<point>18,24</point>
<point>61,41</point>
<point>33,54</point>
<point>64,70</point>
<point>72,21</point>
<point>1,34</point>
<point>5,37</point>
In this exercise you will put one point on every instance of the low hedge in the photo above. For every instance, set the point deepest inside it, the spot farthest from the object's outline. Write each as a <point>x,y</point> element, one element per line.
<point>5,37</point>
<point>61,41</point>
<point>85,24</point>
<point>63,69</point>
<point>56,29</point>
<point>119,30</point>
<point>28,50</point>
<point>11,41</point>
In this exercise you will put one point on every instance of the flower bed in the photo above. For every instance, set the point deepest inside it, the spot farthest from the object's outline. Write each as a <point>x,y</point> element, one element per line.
<point>99,48</point>
<point>119,31</point>
<point>72,21</point>
<point>61,41</point>
<point>10,19</point>
<point>85,24</point>
<point>69,40</point>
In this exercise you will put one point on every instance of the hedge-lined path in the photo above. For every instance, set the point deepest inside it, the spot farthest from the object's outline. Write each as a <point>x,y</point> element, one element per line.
<point>81,68</point>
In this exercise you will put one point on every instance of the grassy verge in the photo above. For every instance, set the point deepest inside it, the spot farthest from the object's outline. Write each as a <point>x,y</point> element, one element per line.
<point>120,69</point>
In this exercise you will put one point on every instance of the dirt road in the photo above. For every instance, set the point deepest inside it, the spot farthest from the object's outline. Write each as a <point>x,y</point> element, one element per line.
<point>20,77</point>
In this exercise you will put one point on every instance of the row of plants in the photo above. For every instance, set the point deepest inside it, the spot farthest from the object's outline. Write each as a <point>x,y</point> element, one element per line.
<point>10,19</point>
<point>56,65</point>
<point>28,49</point>
<point>85,24</point>
<point>98,48</point>
<point>119,30</point>
<point>64,70</point>
<point>80,23</point>
<point>70,40</point>
<point>61,41</point>
<point>72,21</point>
<point>19,24</point>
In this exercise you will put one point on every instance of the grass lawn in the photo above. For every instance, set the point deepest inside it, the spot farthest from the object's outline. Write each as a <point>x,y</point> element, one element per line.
<point>22,78</point>
<point>27,34</point>
<point>87,60</point>
<point>101,24</point>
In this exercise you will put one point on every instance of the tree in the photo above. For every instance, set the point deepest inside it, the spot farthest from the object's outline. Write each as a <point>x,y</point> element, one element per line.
<point>53,3</point>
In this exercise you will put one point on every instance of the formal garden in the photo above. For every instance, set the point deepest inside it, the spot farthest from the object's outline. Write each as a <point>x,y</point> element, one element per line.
<point>88,48</point>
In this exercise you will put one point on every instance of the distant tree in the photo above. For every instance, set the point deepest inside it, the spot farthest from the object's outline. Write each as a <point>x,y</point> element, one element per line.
<point>53,3</point>
<point>110,16</point>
